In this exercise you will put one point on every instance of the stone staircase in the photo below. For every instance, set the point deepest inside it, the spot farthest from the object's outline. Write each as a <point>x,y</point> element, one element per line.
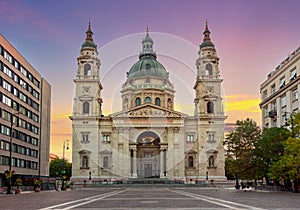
<point>149,181</point>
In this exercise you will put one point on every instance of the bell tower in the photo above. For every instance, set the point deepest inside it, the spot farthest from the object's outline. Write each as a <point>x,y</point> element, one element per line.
<point>86,109</point>
<point>209,110</point>
<point>87,101</point>
<point>208,101</point>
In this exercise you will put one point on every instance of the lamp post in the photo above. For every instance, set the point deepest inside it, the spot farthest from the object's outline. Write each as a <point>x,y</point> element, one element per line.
<point>295,183</point>
<point>63,164</point>
<point>9,190</point>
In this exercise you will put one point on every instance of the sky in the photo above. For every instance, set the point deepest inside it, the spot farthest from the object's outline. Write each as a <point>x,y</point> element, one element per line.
<point>251,38</point>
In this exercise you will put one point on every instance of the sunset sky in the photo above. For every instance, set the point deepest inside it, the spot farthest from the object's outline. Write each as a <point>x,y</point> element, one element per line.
<point>251,38</point>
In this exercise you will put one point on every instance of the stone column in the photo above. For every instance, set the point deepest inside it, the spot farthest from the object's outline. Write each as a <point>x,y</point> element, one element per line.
<point>134,175</point>
<point>165,155</point>
<point>161,156</point>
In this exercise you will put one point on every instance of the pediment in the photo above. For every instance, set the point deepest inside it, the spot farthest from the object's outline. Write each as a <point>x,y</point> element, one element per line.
<point>84,151</point>
<point>105,152</point>
<point>191,152</point>
<point>211,151</point>
<point>149,110</point>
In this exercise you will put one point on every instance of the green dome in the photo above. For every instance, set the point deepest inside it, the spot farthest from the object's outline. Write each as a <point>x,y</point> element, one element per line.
<point>89,44</point>
<point>148,66</point>
<point>207,44</point>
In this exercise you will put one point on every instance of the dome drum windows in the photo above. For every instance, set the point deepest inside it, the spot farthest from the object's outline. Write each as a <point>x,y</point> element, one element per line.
<point>169,103</point>
<point>157,101</point>
<point>147,100</point>
<point>138,101</point>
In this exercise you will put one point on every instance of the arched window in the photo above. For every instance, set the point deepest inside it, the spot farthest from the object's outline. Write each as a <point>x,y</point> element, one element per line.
<point>169,105</point>
<point>210,107</point>
<point>211,161</point>
<point>147,100</point>
<point>85,162</point>
<point>191,162</point>
<point>87,70</point>
<point>148,66</point>
<point>208,68</point>
<point>138,101</point>
<point>105,162</point>
<point>157,101</point>
<point>86,108</point>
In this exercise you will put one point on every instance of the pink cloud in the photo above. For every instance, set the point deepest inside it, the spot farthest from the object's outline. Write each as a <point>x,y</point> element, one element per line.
<point>19,13</point>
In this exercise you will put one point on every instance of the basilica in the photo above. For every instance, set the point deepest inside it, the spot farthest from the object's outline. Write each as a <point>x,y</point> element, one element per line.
<point>147,138</point>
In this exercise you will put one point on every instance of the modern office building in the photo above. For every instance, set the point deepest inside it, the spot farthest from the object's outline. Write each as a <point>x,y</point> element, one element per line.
<point>279,92</point>
<point>147,138</point>
<point>25,102</point>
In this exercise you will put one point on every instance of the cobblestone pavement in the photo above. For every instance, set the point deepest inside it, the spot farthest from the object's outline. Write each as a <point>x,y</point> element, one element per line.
<point>150,197</point>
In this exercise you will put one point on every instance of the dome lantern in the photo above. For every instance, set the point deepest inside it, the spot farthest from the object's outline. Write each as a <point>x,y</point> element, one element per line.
<point>147,64</point>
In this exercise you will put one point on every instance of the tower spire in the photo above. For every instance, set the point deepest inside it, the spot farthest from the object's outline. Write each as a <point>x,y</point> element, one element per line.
<point>206,39</point>
<point>89,41</point>
<point>206,32</point>
<point>89,33</point>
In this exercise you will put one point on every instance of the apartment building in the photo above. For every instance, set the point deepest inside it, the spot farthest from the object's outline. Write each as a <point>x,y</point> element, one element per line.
<point>25,102</point>
<point>279,92</point>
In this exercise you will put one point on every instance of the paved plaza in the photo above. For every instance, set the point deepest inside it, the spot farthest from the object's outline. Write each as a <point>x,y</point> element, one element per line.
<point>149,197</point>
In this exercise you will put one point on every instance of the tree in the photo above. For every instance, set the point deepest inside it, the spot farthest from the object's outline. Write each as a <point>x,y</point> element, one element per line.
<point>288,165</point>
<point>269,149</point>
<point>296,119</point>
<point>57,168</point>
<point>240,146</point>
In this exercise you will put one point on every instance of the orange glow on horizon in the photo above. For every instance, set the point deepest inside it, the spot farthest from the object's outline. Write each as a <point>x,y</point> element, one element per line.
<point>237,107</point>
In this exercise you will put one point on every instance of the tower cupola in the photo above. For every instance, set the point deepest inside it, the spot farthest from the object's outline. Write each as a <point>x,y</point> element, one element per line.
<point>89,42</point>
<point>206,40</point>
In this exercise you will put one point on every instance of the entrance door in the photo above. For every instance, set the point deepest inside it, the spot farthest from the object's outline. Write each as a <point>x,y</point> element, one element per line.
<point>148,170</point>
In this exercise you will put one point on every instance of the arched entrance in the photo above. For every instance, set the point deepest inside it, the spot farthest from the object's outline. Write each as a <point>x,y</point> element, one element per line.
<point>148,155</point>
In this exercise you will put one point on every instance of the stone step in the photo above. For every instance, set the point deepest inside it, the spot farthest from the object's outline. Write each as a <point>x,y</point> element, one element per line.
<point>149,181</point>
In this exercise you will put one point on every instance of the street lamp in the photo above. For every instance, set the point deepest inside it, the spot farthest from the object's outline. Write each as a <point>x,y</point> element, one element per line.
<point>63,164</point>
<point>9,190</point>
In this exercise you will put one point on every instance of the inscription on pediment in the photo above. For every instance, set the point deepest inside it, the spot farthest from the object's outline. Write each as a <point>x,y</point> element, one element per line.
<point>148,112</point>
